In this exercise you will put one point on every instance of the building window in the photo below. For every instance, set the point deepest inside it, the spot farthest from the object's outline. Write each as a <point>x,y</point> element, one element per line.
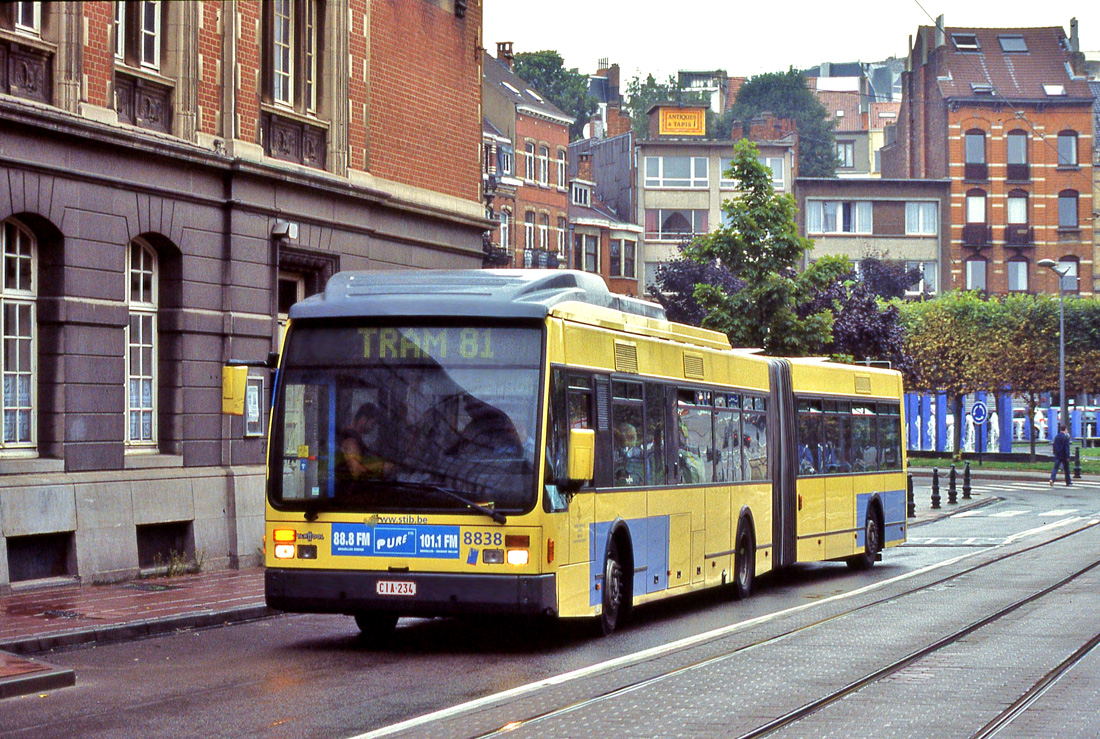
<point>581,195</point>
<point>591,253</point>
<point>293,33</point>
<point>505,226</point>
<point>529,230</point>
<point>27,17</point>
<point>775,165</point>
<point>544,166</point>
<point>141,343</point>
<point>975,274</point>
<point>561,169</point>
<point>975,167</point>
<point>1017,155</point>
<point>1016,210</point>
<point>544,231</point>
<point>1017,275</point>
<point>668,224</point>
<point>1067,149</point>
<point>975,206</point>
<point>845,154</point>
<point>1067,209</point>
<point>17,325</point>
<point>837,216</point>
<point>139,33</point>
<point>563,227</point>
<point>1068,266</point>
<point>921,219</point>
<point>506,160</point>
<point>929,282</point>
<point>622,258</point>
<point>292,289</point>
<point>687,172</point>
<point>529,162</point>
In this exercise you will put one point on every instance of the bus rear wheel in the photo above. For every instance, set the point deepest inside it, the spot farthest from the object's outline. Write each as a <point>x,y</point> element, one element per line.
<point>375,625</point>
<point>872,544</point>
<point>613,612</point>
<point>744,563</point>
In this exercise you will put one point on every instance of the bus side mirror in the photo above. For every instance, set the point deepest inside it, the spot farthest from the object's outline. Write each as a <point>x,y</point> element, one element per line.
<point>582,454</point>
<point>234,381</point>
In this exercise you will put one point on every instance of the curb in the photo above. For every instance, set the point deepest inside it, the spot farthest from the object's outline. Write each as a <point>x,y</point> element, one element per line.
<point>45,677</point>
<point>136,629</point>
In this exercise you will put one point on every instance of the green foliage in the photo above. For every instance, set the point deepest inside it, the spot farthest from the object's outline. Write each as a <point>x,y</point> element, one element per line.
<point>760,244</point>
<point>566,88</point>
<point>786,95</point>
<point>641,95</point>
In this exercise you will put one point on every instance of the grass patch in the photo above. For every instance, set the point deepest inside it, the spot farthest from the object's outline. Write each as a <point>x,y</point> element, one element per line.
<point>1089,466</point>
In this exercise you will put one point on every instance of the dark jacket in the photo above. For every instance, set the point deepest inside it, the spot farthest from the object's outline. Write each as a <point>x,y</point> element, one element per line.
<point>1061,446</point>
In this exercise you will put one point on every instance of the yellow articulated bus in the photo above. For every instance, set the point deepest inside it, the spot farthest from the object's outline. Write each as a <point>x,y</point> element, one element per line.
<point>525,442</point>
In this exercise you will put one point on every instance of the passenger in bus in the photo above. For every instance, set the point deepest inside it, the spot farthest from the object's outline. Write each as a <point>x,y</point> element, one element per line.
<point>358,457</point>
<point>629,464</point>
<point>489,431</point>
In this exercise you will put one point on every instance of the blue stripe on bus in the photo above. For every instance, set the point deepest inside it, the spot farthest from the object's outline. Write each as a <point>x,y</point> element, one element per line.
<point>893,511</point>
<point>649,537</point>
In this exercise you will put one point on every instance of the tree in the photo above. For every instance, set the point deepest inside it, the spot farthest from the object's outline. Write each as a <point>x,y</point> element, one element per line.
<point>676,282</point>
<point>566,88</point>
<point>865,327</point>
<point>948,341</point>
<point>786,95</point>
<point>885,279</point>
<point>641,95</point>
<point>760,245</point>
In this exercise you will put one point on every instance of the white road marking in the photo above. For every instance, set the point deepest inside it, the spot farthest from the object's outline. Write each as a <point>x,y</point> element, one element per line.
<point>1059,512</point>
<point>1048,527</point>
<point>1007,514</point>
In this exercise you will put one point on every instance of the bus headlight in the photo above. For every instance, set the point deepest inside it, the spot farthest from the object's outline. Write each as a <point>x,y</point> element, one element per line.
<point>493,556</point>
<point>518,556</point>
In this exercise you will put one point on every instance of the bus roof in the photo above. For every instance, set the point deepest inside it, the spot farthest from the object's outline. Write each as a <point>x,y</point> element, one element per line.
<point>498,293</point>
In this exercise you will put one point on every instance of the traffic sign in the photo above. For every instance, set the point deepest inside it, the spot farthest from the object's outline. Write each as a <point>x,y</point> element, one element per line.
<point>979,412</point>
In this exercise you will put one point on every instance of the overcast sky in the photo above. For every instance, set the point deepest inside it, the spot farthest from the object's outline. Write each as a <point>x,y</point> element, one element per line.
<point>748,38</point>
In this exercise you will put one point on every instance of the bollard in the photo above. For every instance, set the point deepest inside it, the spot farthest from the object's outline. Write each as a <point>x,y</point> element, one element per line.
<point>935,488</point>
<point>1077,463</point>
<point>952,489</point>
<point>966,482</point>
<point>912,503</point>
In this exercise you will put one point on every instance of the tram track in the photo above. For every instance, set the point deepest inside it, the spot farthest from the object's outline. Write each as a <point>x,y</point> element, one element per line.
<point>808,709</point>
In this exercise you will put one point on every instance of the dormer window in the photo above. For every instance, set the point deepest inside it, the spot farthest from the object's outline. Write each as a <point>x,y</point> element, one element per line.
<point>536,96</point>
<point>965,42</point>
<point>981,88</point>
<point>581,195</point>
<point>1012,43</point>
<point>1054,90</point>
<point>514,90</point>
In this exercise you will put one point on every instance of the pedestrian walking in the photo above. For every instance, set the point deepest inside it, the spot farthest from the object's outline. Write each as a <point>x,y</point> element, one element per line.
<point>1061,454</point>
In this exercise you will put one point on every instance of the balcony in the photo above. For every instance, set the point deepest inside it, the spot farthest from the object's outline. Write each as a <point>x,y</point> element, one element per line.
<point>976,171</point>
<point>492,254</point>
<point>1019,234</point>
<point>977,234</point>
<point>1018,172</point>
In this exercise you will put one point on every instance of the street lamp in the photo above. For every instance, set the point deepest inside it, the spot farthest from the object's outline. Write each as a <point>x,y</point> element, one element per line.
<point>1061,272</point>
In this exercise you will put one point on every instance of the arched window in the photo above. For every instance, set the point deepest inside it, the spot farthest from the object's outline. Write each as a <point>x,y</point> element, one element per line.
<point>1017,275</point>
<point>529,230</point>
<point>529,162</point>
<point>544,231</point>
<point>975,206</point>
<point>1067,209</point>
<point>17,325</point>
<point>974,152</point>
<point>1067,148</point>
<point>975,274</point>
<point>1017,155</point>
<point>1016,213</point>
<point>505,228</point>
<point>544,166</point>
<point>141,344</point>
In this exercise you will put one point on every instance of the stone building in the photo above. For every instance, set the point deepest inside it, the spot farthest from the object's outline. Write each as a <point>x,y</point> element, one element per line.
<point>173,175</point>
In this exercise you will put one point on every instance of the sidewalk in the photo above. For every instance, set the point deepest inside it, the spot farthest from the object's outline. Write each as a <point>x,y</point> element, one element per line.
<point>70,614</point>
<point>40,619</point>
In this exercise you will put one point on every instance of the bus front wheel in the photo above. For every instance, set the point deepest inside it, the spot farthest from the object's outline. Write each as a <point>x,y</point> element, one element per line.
<point>614,589</point>
<point>744,563</point>
<point>375,625</point>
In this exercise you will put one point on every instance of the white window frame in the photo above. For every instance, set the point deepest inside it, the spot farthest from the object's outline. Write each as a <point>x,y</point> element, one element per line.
<point>1069,266</point>
<point>505,227</point>
<point>563,228</point>
<point>657,177</point>
<point>972,274</point>
<point>299,281</point>
<point>1012,269</point>
<point>507,161</point>
<point>282,52</point>
<point>582,195</point>
<point>141,381</point>
<point>827,217</point>
<point>561,169</point>
<point>976,211</point>
<point>846,154</point>
<point>150,32</point>
<point>1076,198</point>
<point>529,230</point>
<point>1070,137</point>
<point>529,161</point>
<point>700,223</point>
<point>929,281</point>
<point>1016,210</point>
<point>921,218</point>
<point>18,293</point>
<point>544,166</point>
<point>544,231</point>
<point>35,8</point>
<point>120,30</point>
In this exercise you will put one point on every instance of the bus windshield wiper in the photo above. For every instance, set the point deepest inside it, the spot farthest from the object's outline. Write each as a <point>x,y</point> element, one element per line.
<point>429,487</point>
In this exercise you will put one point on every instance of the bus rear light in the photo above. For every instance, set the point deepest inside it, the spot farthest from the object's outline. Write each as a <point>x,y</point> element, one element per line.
<point>517,541</point>
<point>518,556</point>
<point>284,551</point>
<point>284,536</point>
<point>493,556</point>
<point>549,551</point>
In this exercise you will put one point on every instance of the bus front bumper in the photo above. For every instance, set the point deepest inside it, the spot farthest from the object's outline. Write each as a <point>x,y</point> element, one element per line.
<point>437,594</point>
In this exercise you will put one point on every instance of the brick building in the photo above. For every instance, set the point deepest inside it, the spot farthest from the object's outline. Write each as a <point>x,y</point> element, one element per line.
<point>603,243</point>
<point>174,176</point>
<point>533,209</point>
<point>1004,114</point>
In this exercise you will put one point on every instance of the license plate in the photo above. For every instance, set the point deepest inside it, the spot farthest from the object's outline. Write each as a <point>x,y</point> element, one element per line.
<point>391,587</point>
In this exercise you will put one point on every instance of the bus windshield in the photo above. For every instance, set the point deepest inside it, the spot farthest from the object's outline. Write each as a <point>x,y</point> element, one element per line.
<point>406,418</point>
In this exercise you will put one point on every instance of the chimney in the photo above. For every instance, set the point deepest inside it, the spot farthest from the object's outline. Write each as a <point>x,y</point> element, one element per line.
<point>1074,41</point>
<point>584,166</point>
<point>941,33</point>
<point>504,53</point>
